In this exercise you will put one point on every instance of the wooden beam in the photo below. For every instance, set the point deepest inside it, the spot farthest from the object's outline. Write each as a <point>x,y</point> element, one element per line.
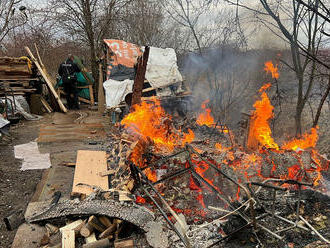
<point>124,243</point>
<point>102,243</point>
<point>91,94</point>
<point>75,226</point>
<point>100,94</point>
<point>68,239</point>
<point>140,76</point>
<point>46,105</point>
<point>91,238</point>
<point>89,164</point>
<point>48,81</point>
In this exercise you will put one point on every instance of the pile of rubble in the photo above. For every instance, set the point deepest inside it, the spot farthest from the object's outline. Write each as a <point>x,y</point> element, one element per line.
<point>166,183</point>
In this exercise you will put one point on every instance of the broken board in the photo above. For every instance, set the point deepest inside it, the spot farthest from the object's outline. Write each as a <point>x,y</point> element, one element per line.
<point>89,165</point>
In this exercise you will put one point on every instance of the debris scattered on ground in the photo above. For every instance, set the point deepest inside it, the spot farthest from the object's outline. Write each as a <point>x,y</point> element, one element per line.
<point>32,158</point>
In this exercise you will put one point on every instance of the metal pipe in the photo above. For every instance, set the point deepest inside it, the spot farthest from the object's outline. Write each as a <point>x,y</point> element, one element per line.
<point>164,215</point>
<point>146,180</point>
<point>314,230</point>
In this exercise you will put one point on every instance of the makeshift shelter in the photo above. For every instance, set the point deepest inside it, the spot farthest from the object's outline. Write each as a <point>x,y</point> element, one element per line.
<point>121,57</point>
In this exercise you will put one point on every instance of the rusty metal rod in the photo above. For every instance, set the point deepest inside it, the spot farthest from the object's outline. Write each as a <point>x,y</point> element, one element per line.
<point>185,239</point>
<point>268,186</point>
<point>314,230</point>
<point>164,215</point>
<point>162,160</point>
<point>192,150</point>
<point>230,234</point>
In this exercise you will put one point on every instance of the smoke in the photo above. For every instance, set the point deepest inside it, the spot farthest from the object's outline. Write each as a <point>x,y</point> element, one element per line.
<point>226,76</point>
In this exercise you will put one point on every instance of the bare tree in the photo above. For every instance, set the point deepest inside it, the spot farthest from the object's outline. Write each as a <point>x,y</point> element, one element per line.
<point>87,21</point>
<point>9,19</point>
<point>301,28</point>
<point>141,23</point>
<point>187,13</point>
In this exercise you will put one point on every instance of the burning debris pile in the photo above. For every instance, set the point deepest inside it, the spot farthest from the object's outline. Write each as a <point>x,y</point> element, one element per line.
<point>198,187</point>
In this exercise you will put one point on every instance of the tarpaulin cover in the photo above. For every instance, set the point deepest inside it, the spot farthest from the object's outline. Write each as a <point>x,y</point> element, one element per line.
<point>84,93</point>
<point>162,69</point>
<point>121,58</point>
<point>3,121</point>
<point>115,91</point>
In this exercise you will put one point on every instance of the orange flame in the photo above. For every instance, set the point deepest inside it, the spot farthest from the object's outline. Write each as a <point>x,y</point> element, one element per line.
<point>308,140</point>
<point>150,121</point>
<point>270,68</point>
<point>205,118</point>
<point>259,128</point>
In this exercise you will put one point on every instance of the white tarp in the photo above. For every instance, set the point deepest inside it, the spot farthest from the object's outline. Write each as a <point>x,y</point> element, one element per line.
<point>22,107</point>
<point>162,70</point>
<point>32,158</point>
<point>115,91</point>
<point>3,121</point>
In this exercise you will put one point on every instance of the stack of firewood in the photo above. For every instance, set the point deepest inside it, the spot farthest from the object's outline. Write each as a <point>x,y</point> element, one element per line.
<point>93,232</point>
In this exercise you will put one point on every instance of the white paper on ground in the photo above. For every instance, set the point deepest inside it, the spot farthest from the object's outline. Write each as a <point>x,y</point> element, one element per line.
<point>32,158</point>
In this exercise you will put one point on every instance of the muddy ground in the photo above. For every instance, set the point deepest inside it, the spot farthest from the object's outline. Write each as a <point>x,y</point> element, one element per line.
<point>59,134</point>
<point>16,187</point>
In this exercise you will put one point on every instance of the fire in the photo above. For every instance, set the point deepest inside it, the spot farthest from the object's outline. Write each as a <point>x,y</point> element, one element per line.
<point>270,68</point>
<point>306,141</point>
<point>205,118</point>
<point>150,120</point>
<point>151,123</point>
<point>259,127</point>
<point>221,148</point>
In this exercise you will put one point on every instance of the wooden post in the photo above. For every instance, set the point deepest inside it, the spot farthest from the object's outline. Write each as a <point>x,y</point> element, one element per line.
<point>139,77</point>
<point>100,94</point>
<point>91,94</point>
<point>48,81</point>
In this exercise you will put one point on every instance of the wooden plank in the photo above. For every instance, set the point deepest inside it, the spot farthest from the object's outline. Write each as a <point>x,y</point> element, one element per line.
<point>68,239</point>
<point>124,243</point>
<point>88,166</point>
<point>91,95</point>
<point>46,105</point>
<point>75,226</point>
<point>139,77</point>
<point>91,238</point>
<point>100,94</point>
<point>48,81</point>
<point>102,243</point>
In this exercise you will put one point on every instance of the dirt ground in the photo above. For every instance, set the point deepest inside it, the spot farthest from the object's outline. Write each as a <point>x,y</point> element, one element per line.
<point>16,187</point>
<point>61,135</point>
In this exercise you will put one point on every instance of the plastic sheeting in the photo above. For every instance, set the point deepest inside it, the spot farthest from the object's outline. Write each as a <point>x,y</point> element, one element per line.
<point>22,108</point>
<point>3,121</point>
<point>32,158</point>
<point>162,68</point>
<point>115,91</point>
<point>162,71</point>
